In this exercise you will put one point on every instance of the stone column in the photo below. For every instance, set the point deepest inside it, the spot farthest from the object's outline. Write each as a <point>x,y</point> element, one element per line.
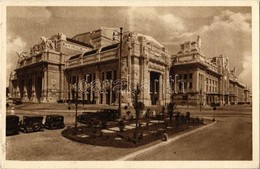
<point>167,86</point>
<point>25,94</point>
<point>45,86</point>
<point>146,81</point>
<point>160,91</point>
<point>91,90</point>
<point>82,84</point>
<point>104,90</point>
<point>33,97</point>
<point>97,82</point>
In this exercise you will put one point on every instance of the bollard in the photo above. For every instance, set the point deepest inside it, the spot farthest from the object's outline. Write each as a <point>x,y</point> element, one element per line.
<point>165,137</point>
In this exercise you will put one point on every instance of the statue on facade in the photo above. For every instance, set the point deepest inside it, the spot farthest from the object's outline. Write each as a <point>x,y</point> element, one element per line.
<point>198,42</point>
<point>35,49</point>
<point>61,36</point>
<point>47,43</point>
<point>233,71</point>
<point>22,55</point>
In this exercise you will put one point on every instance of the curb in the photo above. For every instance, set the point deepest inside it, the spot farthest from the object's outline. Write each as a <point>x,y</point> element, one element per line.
<point>137,153</point>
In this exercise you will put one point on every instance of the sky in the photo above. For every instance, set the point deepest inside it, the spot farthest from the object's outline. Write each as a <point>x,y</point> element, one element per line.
<point>224,30</point>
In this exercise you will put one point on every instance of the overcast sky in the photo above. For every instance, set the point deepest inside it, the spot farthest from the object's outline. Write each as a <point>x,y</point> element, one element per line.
<point>224,30</point>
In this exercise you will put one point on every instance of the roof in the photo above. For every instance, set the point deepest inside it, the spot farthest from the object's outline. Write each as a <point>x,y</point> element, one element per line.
<point>113,46</point>
<point>80,43</point>
<point>75,56</point>
<point>90,52</point>
<point>151,39</point>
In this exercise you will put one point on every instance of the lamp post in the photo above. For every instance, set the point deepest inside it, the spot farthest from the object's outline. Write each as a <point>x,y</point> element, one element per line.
<point>200,99</point>
<point>120,34</point>
<point>76,101</point>
<point>119,65</point>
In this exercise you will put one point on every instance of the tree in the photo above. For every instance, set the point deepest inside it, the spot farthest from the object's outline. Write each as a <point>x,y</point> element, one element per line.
<point>138,105</point>
<point>170,108</point>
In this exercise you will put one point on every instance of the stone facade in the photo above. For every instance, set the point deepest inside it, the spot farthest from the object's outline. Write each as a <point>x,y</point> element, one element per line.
<point>92,60</point>
<point>39,74</point>
<point>86,67</point>
<point>202,80</point>
<point>143,60</point>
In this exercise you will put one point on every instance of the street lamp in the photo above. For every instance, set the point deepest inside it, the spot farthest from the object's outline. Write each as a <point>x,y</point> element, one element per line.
<point>200,94</point>
<point>120,34</point>
<point>76,100</point>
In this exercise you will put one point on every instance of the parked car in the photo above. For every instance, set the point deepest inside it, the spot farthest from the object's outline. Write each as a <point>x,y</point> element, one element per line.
<point>87,117</point>
<point>104,115</point>
<point>12,125</point>
<point>108,114</point>
<point>54,122</point>
<point>31,124</point>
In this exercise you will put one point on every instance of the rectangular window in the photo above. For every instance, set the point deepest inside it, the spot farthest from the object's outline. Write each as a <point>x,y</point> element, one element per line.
<point>103,76</point>
<point>180,86</point>
<point>180,76</point>
<point>190,75</point>
<point>115,74</point>
<point>190,85</point>
<point>109,75</point>
<point>185,76</point>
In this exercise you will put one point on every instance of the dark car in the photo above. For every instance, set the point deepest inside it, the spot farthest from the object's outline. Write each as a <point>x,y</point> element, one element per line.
<point>31,124</point>
<point>104,115</point>
<point>54,122</point>
<point>108,114</point>
<point>87,117</point>
<point>12,125</point>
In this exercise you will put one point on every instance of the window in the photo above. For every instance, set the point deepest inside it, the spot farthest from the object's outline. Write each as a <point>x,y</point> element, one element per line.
<point>103,76</point>
<point>109,75</point>
<point>180,84</point>
<point>185,76</point>
<point>190,85</point>
<point>180,76</point>
<point>115,74</point>
<point>190,75</point>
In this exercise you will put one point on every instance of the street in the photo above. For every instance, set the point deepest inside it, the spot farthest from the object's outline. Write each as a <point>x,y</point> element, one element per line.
<point>229,139</point>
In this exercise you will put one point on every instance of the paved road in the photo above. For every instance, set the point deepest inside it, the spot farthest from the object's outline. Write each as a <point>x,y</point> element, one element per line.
<point>229,139</point>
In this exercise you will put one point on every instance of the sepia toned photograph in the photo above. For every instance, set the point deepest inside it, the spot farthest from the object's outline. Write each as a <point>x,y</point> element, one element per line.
<point>130,83</point>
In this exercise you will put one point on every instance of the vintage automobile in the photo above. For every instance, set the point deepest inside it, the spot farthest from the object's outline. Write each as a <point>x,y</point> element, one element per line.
<point>87,117</point>
<point>108,114</point>
<point>31,124</point>
<point>104,115</point>
<point>12,125</point>
<point>54,122</point>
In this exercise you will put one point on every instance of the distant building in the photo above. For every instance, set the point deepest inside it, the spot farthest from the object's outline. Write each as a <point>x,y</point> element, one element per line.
<point>52,68</point>
<point>201,80</point>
